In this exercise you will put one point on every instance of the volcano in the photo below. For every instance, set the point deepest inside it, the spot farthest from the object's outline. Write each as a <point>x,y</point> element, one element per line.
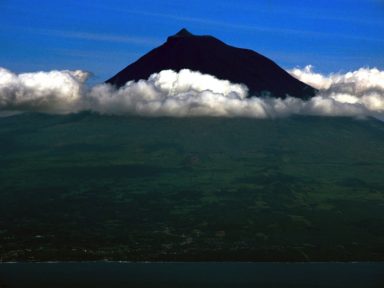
<point>209,55</point>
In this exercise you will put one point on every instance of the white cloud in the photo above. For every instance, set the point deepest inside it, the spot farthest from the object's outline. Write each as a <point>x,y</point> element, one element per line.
<point>53,92</point>
<point>359,93</point>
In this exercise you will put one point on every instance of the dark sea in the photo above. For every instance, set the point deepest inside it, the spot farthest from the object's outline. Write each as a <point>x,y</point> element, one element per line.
<point>200,274</point>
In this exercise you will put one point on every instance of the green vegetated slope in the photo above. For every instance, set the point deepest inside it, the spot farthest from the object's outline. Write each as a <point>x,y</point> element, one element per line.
<point>85,186</point>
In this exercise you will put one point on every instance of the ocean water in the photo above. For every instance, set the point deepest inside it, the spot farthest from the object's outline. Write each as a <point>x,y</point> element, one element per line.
<point>197,274</point>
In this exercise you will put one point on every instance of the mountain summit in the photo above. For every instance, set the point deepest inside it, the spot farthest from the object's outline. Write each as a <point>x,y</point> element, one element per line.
<point>209,55</point>
<point>183,33</point>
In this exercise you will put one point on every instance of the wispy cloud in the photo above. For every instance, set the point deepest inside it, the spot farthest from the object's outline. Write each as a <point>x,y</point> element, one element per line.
<point>90,36</point>
<point>100,37</point>
<point>250,27</point>
<point>205,21</point>
<point>95,54</point>
<point>305,12</point>
<point>213,22</point>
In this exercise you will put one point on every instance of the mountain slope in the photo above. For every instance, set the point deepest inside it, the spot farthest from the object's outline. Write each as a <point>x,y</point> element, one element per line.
<point>211,56</point>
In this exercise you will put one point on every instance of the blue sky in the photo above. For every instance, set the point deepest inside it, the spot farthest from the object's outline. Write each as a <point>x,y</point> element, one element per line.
<point>105,36</point>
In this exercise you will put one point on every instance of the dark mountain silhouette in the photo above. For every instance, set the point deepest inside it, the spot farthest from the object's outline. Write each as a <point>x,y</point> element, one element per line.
<point>212,56</point>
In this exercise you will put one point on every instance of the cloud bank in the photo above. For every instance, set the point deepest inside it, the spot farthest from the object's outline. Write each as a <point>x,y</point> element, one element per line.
<point>187,93</point>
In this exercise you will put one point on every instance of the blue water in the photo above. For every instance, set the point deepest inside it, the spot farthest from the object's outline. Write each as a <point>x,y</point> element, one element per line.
<point>225,274</point>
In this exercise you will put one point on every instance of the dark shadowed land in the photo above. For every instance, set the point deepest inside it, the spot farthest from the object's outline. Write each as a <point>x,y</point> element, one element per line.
<point>197,275</point>
<point>91,187</point>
